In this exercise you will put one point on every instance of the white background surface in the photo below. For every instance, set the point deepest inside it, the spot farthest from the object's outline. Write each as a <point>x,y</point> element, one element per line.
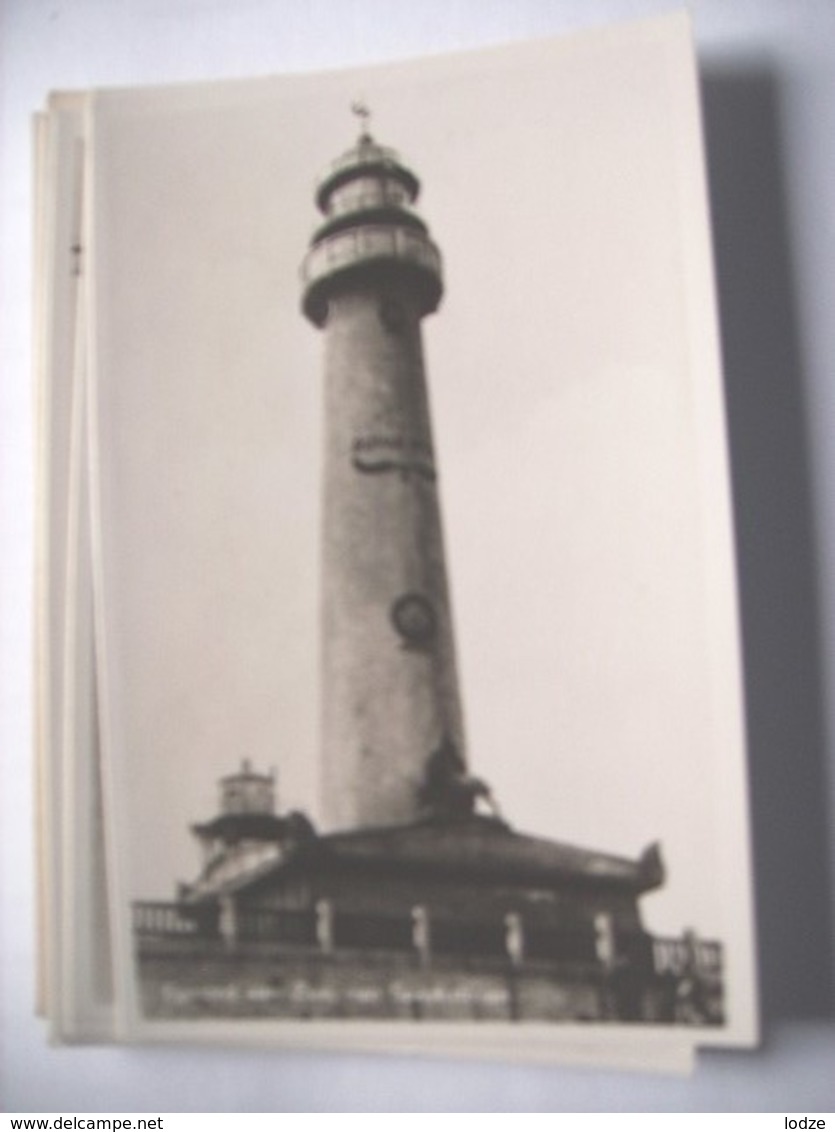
<point>770,121</point>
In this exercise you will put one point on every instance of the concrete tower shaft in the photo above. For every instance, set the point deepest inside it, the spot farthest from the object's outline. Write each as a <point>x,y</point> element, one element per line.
<point>390,691</point>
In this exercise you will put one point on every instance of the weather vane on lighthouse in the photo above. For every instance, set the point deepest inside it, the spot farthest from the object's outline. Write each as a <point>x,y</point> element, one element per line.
<point>360,110</point>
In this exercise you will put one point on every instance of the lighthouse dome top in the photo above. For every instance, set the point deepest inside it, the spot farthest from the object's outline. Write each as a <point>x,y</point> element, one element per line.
<point>367,158</point>
<point>371,234</point>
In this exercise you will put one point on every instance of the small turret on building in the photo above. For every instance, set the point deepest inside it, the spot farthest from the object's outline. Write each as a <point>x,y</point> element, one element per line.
<point>246,835</point>
<point>247,792</point>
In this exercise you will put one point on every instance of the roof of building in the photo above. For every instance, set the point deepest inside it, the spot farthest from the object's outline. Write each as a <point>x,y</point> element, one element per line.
<point>236,826</point>
<point>486,846</point>
<point>477,848</point>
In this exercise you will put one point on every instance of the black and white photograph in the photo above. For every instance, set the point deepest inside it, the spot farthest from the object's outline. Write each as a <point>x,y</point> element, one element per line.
<point>404,653</point>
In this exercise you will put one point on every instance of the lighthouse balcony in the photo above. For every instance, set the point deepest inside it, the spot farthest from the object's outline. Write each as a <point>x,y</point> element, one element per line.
<point>366,251</point>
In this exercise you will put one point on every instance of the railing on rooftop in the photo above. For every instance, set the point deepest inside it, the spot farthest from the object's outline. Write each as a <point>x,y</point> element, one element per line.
<point>367,243</point>
<point>665,957</point>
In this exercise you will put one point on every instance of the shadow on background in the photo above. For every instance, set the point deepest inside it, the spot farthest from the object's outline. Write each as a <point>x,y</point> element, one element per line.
<point>776,545</point>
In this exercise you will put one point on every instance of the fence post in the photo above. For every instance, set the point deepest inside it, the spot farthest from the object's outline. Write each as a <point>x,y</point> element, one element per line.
<point>604,940</point>
<point>514,938</point>
<point>228,922</point>
<point>324,925</point>
<point>421,934</point>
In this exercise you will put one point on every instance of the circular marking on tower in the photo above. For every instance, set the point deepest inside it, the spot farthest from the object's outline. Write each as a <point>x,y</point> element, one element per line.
<point>414,619</point>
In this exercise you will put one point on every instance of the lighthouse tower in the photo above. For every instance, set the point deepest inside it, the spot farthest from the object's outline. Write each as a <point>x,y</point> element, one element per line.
<point>392,724</point>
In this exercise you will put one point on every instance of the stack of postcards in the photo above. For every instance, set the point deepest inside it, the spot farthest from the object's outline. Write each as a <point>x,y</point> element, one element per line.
<point>364,725</point>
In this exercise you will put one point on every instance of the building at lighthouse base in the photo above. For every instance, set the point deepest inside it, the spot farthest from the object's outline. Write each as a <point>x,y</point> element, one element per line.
<point>453,917</point>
